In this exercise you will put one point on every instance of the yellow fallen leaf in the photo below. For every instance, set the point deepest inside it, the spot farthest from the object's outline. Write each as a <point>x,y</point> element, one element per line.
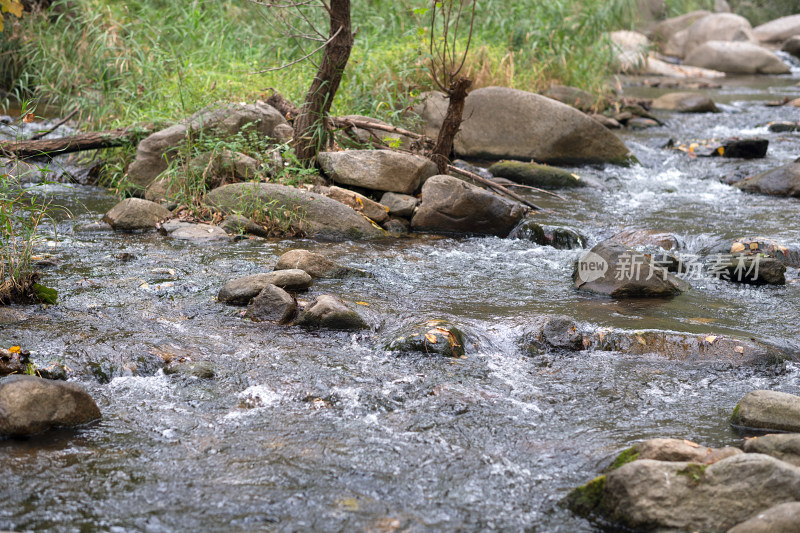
<point>737,247</point>
<point>690,443</point>
<point>641,341</point>
<point>754,246</point>
<point>15,349</point>
<point>431,338</point>
<point>363,303</point>
<point>711,338</point>
<point>28,118</point>
<point>721,150</point>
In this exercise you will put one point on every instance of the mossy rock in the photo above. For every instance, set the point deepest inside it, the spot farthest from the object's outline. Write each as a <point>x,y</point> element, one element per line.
<point>46,295</point>
<point>625,457</point>
<point>558,237</point>
<point>435,337</point>
<point>535,175</point>
<point>587,499</point>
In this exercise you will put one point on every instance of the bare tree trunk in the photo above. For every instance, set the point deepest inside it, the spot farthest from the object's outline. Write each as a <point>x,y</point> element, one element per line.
<point>452,122</point>
<point>310,128</point>
<point>74,143</point>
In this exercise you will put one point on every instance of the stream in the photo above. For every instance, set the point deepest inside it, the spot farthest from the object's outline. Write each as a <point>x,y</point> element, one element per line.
<point>326,431</point>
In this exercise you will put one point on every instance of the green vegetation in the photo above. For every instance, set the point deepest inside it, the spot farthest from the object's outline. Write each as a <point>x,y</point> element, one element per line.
<point>625,457</point>
<point>695,472</point>
<point>587,499</point>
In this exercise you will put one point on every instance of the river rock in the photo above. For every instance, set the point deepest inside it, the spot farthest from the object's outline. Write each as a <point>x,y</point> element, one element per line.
<point>397,226</point>
<point>614,270</point>
<point>133,214</point>
<point>792,46</point>
<point>753,269</point>
<point>434,337</point>
<point>783,446</point>
<point>765,246</point>
<point>630,50</point>
<point>684,346</point>
<point>722,27</point>
<point>451,205</point>
<point>646,237</point>
<point>30,405</point>
<point>154,153</point>
<point>503,123</point>
<point>754,148</point>
<point>781,126</point>
<point>665,29</point>
<point>657,67</point>
<point>558,237</point>
<point>238,224</point>
<point>535,175</point>
<point>783,518</point>
<point>192,231</point>
<point>572,96</point>
<point>241,290</point>
<point>685,103</point>
<point>360,203</point>
<point>662,495</point>
<point>381,170</point>
<point>560,332</point>
<point>778,30</point>
<point>14,362</point>
<point>330,312</point>
<point>272,304</point>
<point>673,450</point>
<point>314,214</point>
<point>317,265</point>
<point>400,205</point>
<point>781,181</point>
<point>736,58</point>
<point>768,410</point>
<point>196,369</point>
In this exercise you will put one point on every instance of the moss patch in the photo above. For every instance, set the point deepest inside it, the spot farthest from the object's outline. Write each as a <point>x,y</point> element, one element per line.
<point>625,457</point>
<point>587,499</point>
<point>44,294</point>
<point>695,472</point>
<point>735,414</point>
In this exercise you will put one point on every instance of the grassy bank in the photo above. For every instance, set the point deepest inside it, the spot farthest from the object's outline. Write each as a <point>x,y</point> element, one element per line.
<point>143,61</point>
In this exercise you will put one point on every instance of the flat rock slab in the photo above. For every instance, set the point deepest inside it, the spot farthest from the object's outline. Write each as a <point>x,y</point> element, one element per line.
<point>736,58</point>
<point>783,518</point>
<point>781,181</point>
<point>192,231</point>
<point>380,170</point>
<point>685,102</point>
<point>783,446</point>
<point>768,410</point>
<point>535,175</point>
<point>30,405</point>
<point>360,203</point>
<point>133,214</point>
<point>241,290</point>
<point>317,265</point>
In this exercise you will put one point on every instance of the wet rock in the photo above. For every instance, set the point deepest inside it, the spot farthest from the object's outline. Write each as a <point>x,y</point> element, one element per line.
<point>639,123</point>
<point>558,237</point>
<point>237,224</point>
<point>665,29</point>
<point>685,102</point>
<point>191,231</point>
<point>330,312</point>
<point>720,27</point>
<point>792,46</point>
<point>646,237</point>
<point>743,148</point>
<point>684,346</point>
<point>507,123</point>
<point>535,175</point>
<point>768,410</point>
<point>156,151</point>
<point>661,495</point>
<point>753,269</point>
<point>673,450</point>
<point>607,122</point>
<point>781,181</point>
<point>562,332</point>
<point>54,370</point>
<point>614,270</point>
<point>311,213</point>
<point>571,96</point>
<point>196,369</point>
<point>475,169</point>
<point>783,518</point>
<point>241,290</point>
<point>14,361</point>
<point>272,304</point>
<point>360,203</point>
<point>30,405</point>
<point>736,58</point>
<point>778,30</point>
<point>435,337</point>
<point>381,170</point>
<point>397,226</point>
<point>453,206</point>
<point>783,127</point>
<point>136,214</point>
<point>400,205</point>
<point>784,446</point>
<point>764,246</point>
<point>317,265</point>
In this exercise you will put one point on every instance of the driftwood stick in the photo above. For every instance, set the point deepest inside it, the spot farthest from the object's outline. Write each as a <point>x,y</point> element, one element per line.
<point>73,143</point>
<point>493,185</point>
<point>53,128</point>
<point>537,189</point>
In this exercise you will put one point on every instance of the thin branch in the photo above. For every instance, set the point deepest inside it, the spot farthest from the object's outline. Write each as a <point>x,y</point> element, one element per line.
<point>496,186</point>
<point>287,65</point>
<point>53,128</point>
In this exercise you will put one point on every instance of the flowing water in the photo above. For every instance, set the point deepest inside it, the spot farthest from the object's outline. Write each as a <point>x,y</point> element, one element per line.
<point>303,431</point>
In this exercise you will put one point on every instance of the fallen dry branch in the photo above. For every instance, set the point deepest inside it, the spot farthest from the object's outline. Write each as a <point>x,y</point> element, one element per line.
<point>73,143</point>
<point>493,185</point>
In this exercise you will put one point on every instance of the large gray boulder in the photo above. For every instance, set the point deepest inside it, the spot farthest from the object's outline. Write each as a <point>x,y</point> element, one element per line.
<point>715,27</point>
<point>502,123</point>
<point>630,49</point>
<point>781,181</point>
<point>240,291</point>
<point>736,58</point>
<point>783,518</point>
<point>685,102</point>
<point>778,30</point>
<point>768,410</point>
<point>673,450</point>
<point>30,405</point>
<point>665,29</point>
<point>783,446</point>
<point>614,270</point>
<point>381,170</point>
<point>133,214</point>
<point>313,214</point>
<point>451,205</point>
<point>661,495</point>
<point>155,151</point>
<point>535,175</point>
